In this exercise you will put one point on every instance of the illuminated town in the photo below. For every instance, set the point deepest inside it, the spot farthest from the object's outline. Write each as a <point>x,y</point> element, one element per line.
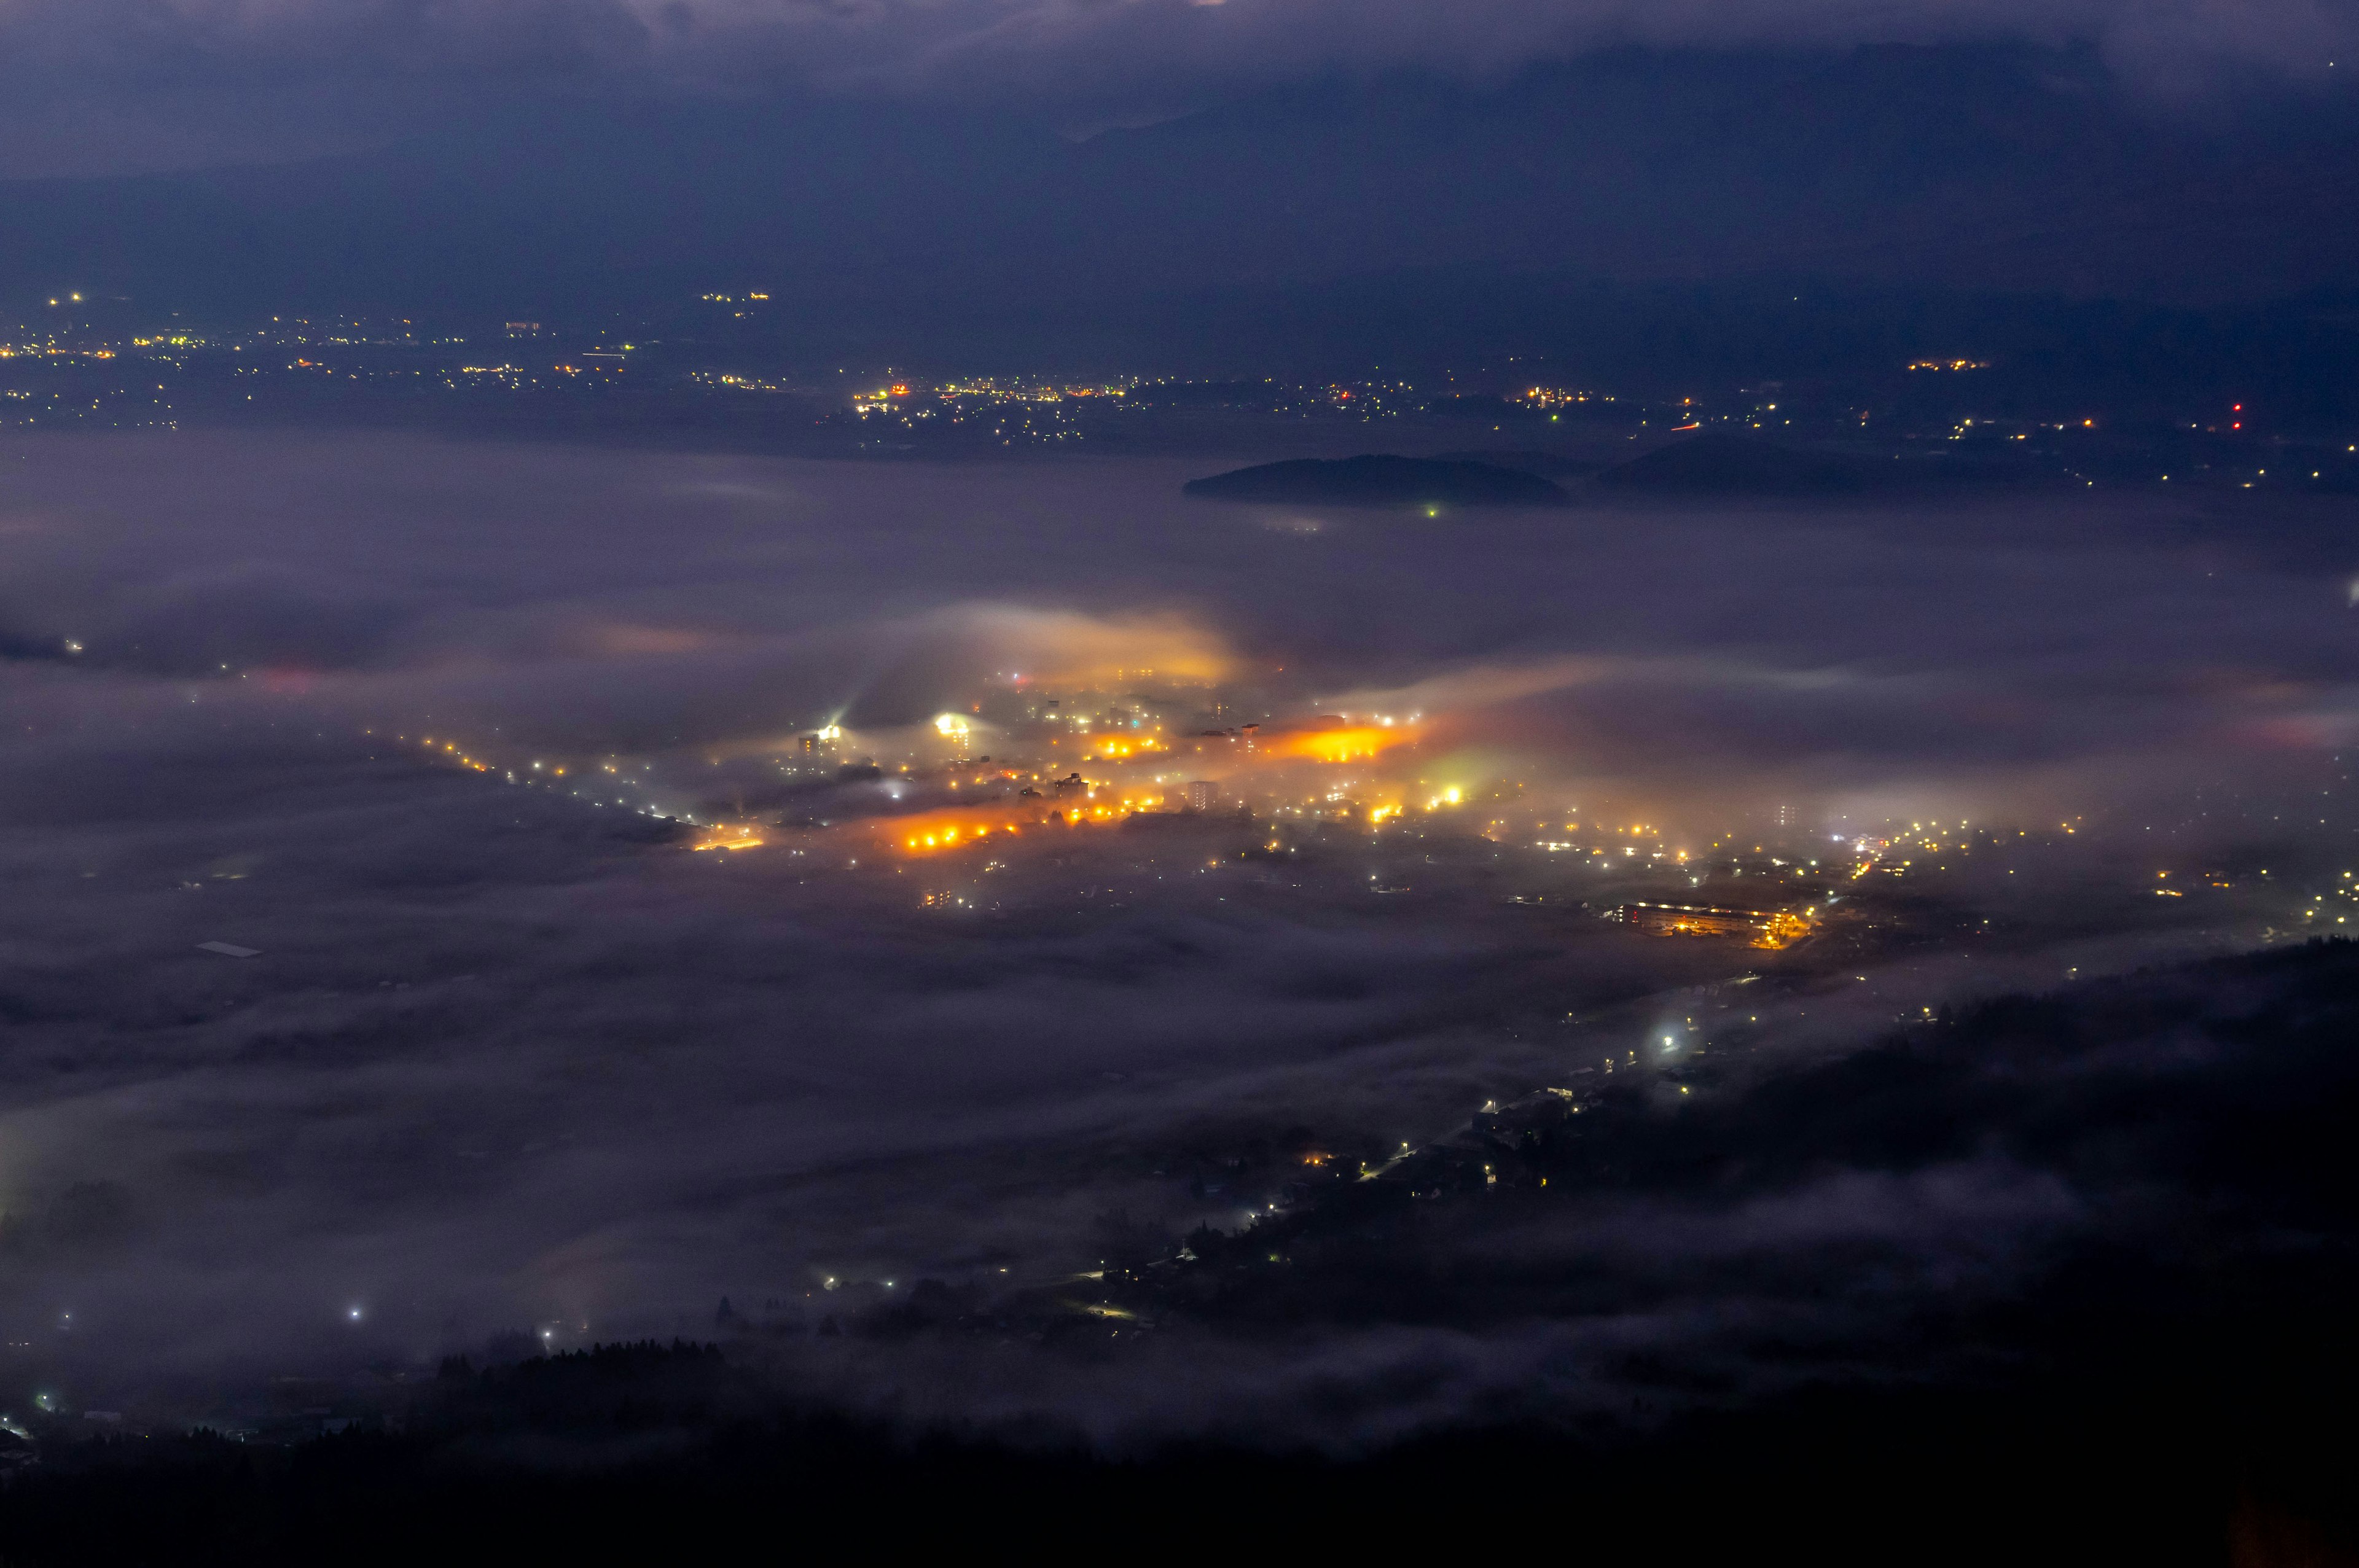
<point>103,364</point>
<point>1039,800</point>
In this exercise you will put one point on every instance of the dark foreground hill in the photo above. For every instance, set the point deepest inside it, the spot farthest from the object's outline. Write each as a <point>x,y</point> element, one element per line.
<point>1380,481</point>
<point>1722,462</point>
<point>2142,1355</point>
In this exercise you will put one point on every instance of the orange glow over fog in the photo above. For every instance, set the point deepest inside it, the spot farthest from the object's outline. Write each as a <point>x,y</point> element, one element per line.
<point>626,641</point>
<point>930,832</point>
<point>295,682</point>
<point>954,836</point>
<point>1060,648</point>
<point>1347,745</point>
<point>746,837</point>
<point>1107,809</point>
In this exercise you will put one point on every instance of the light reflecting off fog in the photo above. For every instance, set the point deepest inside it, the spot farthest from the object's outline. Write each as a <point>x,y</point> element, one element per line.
<point>669,877</point>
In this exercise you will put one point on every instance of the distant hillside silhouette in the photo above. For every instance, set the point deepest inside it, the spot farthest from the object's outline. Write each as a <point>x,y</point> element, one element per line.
<point>1724,462</point>
<point>1547,465</point>
<point>1377,480</point>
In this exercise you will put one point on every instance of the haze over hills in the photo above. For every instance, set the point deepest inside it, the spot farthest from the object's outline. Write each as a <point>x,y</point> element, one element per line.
<point>1381,480</point>
<point>1721,461</point>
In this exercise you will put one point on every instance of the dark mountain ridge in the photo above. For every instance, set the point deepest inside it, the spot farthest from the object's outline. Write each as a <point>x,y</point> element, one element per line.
<point>1961,166</point>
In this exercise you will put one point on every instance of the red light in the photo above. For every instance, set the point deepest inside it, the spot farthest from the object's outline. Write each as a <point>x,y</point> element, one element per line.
<point>2238,409</point>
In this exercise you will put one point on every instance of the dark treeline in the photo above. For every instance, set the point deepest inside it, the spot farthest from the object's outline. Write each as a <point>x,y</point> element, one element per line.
<point>664,1453</point>
<point>2167,1381</point>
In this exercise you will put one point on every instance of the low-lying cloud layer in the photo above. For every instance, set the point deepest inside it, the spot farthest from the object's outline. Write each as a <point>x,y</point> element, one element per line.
<point>513,1055</point>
